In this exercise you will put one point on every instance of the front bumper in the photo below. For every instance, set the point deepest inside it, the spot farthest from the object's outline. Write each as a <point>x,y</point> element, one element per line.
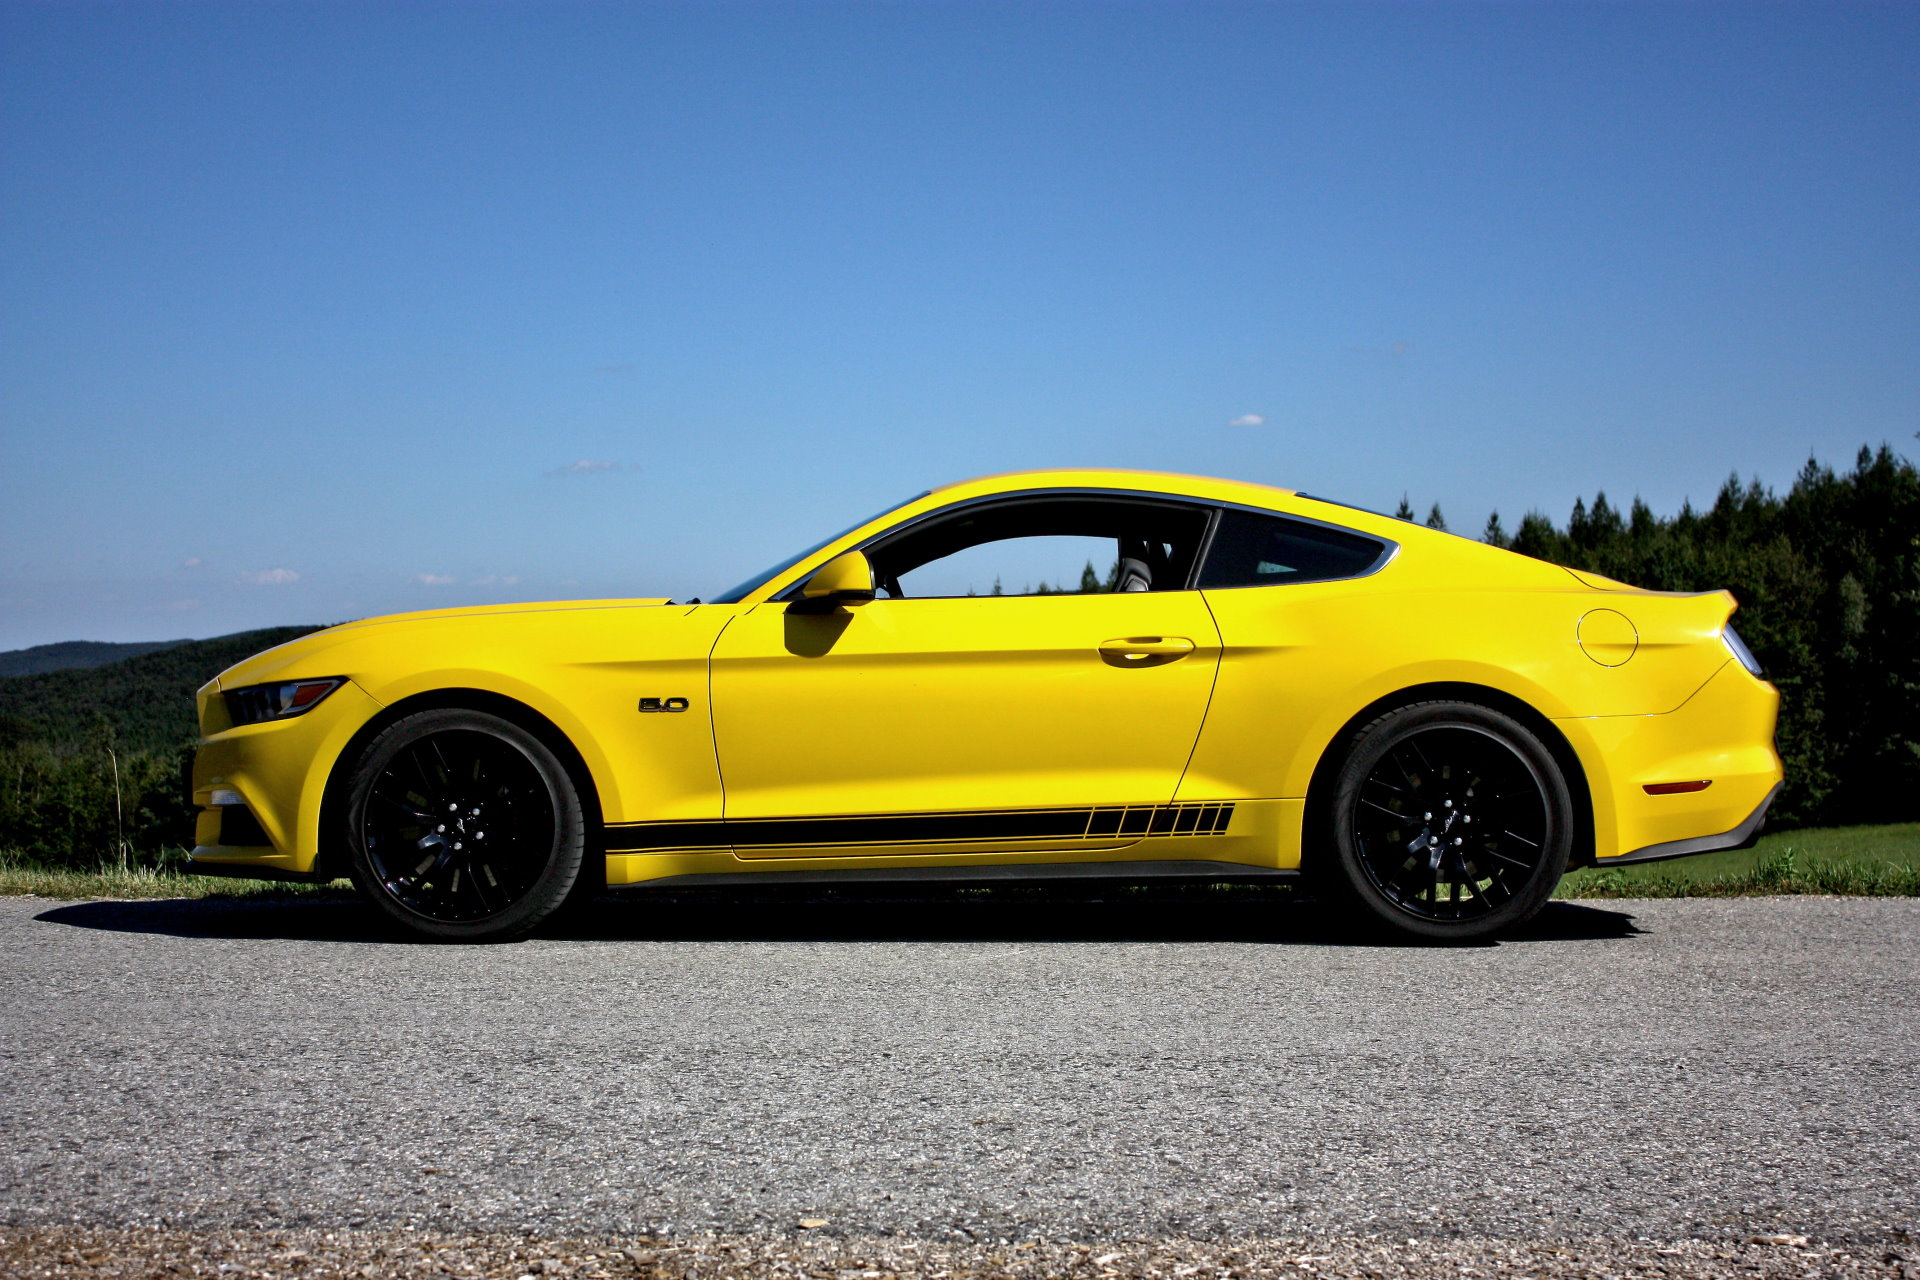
<point>251,870</point>
<point>278,771</point>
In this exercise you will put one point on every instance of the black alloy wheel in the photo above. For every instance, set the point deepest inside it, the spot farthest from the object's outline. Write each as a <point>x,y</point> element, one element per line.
<point>1449,821</point>
<point>464,826</point>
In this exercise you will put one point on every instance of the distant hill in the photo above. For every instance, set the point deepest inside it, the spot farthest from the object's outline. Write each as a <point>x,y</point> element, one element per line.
<point>70,655</point>
<point>148,699</point>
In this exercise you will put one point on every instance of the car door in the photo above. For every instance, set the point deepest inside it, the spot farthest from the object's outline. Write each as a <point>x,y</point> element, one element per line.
<point>955,723</point>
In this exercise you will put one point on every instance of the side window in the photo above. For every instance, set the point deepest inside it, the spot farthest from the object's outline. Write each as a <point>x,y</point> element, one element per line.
<point>1066,545</point>
<point>1251,550</point>
<point>1063,564</point>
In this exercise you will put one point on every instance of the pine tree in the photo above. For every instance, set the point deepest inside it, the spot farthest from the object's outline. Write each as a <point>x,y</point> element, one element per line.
<point>1435,520</point>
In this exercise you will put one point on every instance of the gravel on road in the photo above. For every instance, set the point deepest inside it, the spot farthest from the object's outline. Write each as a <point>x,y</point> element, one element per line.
<point>972,1073</point>
<point>76,1253</point>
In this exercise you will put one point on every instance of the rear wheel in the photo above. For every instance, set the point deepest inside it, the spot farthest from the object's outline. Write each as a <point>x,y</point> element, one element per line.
<point>1449,820</point>
<point>464,826</point>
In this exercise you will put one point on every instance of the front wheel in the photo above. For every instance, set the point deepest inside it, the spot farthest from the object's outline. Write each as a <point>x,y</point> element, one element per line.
<point>1449,821</point>
<point>464,827</point>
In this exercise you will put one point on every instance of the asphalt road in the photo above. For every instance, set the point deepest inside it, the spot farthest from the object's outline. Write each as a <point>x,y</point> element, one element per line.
<point>966,1068</point>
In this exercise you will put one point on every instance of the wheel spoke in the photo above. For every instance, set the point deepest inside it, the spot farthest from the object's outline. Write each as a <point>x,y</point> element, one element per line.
<point>487,814</point>
<point>1430,850</point>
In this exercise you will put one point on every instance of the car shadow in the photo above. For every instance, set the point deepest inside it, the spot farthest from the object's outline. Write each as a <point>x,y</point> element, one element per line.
<point>1197,913</point>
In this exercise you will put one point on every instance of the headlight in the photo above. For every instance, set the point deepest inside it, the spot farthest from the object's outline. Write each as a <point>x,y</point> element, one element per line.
<point>257,702</point>
<point>1740,651</point>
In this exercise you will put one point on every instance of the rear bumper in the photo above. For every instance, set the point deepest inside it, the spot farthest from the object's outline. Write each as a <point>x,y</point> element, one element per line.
<point>1742,836</point>
<point>1722,735</point>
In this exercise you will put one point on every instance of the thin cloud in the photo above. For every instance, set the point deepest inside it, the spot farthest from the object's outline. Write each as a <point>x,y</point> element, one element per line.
<point>434,579</point>
<point>584,467</point>
<point>192,562</point>
<point>613,368</point>
<point>494,580</point>
<point>1247,420</point>
<point>271,577</point>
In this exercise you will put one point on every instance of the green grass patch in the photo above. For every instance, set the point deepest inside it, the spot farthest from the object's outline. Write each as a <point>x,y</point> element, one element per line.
<point>1874,862</point>
<point>20,875</point>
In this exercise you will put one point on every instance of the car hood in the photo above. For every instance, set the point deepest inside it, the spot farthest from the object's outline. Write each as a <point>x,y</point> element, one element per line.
<point>312,654</point>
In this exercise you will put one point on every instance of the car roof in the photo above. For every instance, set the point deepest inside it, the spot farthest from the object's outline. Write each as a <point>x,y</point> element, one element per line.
<point>1168,482</point>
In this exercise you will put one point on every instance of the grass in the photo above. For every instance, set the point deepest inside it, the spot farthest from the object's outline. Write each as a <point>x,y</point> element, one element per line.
<point>20,875</point>
<point>1874,862</point>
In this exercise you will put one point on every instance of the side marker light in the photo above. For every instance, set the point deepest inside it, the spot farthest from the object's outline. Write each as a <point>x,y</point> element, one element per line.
<point>1675,788</point>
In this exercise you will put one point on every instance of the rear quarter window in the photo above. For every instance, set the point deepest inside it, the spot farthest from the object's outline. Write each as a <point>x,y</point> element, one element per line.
<point>1252,550</point>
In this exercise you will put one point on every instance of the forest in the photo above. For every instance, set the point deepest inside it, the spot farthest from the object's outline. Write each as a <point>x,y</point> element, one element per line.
<point>1827,575</point>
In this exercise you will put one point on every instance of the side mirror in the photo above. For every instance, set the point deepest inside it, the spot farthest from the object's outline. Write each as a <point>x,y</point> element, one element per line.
<point>845,579</point>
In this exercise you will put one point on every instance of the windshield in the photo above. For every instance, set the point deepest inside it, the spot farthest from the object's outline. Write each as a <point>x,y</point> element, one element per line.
<point>734,595</point>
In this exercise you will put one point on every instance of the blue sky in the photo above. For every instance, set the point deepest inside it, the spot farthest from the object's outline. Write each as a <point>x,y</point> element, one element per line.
<point>314,311</point>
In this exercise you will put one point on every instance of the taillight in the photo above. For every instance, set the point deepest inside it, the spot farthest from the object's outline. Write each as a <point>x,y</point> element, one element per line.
<point>257,702</point>
<point>1740,651</point>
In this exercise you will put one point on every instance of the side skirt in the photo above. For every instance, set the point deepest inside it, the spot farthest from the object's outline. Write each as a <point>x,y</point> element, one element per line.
<point>1194,869</point>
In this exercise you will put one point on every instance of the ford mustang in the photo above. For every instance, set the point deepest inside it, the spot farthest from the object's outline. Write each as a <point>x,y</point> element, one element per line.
<point>1223,680</point>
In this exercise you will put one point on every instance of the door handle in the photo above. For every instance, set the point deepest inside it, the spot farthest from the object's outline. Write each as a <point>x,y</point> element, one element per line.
<point>1145,651</point>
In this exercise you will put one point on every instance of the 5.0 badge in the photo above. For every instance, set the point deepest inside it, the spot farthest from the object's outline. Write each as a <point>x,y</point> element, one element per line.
<point>663,704</point>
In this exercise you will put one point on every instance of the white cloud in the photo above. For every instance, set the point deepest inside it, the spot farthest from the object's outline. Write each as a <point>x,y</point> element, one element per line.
<point>496,580</point>
<point>271,577</point>
<point>434,579</point>
<point>1247,420</point>
<point>584,467</point>
<point>192,562</point>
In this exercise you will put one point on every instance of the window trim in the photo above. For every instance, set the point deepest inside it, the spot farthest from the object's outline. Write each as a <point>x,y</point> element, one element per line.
<point>1389,548</point>
<point>1208,510</point>
<point>1209,507</point>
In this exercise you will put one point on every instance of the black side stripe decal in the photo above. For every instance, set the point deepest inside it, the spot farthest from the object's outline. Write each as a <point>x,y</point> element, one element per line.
<point>1102,822</point>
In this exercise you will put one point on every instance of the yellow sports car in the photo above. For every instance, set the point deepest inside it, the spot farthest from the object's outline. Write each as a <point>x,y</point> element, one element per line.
<point>1065,673</point>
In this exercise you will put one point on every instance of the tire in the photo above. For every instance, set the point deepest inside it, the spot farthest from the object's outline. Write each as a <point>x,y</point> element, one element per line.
<point>462,826</point>
<point>1449,821</point>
